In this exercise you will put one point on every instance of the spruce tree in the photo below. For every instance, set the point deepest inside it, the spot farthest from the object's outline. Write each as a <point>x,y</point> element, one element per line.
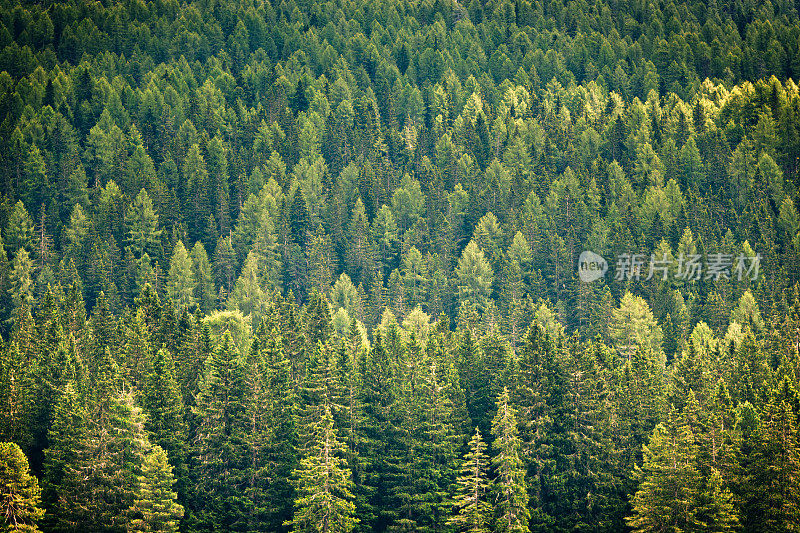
<point>509,491</point>
<point>324,501</point>
<point>221,472</point>
<point>21,279</point>
<point>669,491</point>
<point>66,437</point>
<point>20,494</point>
<point>473,510</point>
<point>154,508</point>
<point>12,394</point>
<point>204,292</point>
<point>99,485</point>
<point>281,449</point>
<point>772,497</point>
<point>162,402</point>
<point>141,222</point>
<point>475,276</point>
<point>181,282</point>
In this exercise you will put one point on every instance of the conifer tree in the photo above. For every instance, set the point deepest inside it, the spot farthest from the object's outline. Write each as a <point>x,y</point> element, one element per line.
<point>141,223</point>
<point>20,494</point>
<point>12,394</point>
<point>281,449</point>
<point>162,402</point>
<point>509,491</point>
<point>99,486</point>
<point>154,507</point>
<point>772,501</point>
<point>475,276</point>
<point>21,279</point>
<point>204,292</point>
<point>716,510</point>
<point>220,445</point>
<point>473,509</point>
<point>19,231</point>
<point>181,282</point>
<point>65,436</point>
<point>670,486</point>
<point>324,501</point>
<point>225,264</point>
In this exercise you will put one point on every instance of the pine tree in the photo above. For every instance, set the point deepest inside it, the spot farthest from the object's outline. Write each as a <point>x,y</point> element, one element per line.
<point>220,447</point>
<point>475,381</point>
<point>21,279</point>
<point>425,466</point>
<point>475,276</point>
<point>772,499</point>
<point>247,295</point>
<point>65,437</point>
<point>20,494</point>
<point>716,509</point>
<point>669,491</point>
<point>141,223</point>
<point>509,492</point>
<point>162,401</point>
<point>324,501</point>
<point>281,450</point>
<point>19,231</point>
<point>99,486</point>
<point>225,264</point>
<point>154,507</point>
<point>12,394</point>
<point>180,280</point>
<point>472,486</point>
<point>204,291</point>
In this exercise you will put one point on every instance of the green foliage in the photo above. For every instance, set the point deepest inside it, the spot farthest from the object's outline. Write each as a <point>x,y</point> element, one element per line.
<point>141,222</point>
<point>19,492</point>
<point>181,283</point>
<point>471,494</point>
<point>324,499</point>
<point>154,507</point>
<point>434,169</point>
<point>510,489</point>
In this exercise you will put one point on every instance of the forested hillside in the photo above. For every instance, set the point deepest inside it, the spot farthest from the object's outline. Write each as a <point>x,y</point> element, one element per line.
<point>314,266</point>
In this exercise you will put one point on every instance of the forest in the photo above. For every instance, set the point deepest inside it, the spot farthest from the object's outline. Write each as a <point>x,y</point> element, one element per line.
<point>505,266</point>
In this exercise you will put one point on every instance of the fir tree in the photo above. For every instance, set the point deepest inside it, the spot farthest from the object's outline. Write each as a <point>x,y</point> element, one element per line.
<point>66,436</point>
<point>324,501</point>
<point>161,399</point>
<point>180,280</point>
<point>154,507</point>
<point>21,279</point>
<point>475,276</point>
<point>20,494</point>
<point>204,292</point>
<point>141,222</point>
<point>473,509</point>
<point>509,492</point>
<point>220,445</point>
<point>667,497</point>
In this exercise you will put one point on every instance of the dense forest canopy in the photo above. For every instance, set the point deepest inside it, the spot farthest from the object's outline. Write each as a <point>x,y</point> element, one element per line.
<point>319,266</point>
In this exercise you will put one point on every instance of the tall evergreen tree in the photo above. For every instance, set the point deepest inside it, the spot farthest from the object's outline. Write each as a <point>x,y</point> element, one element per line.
<point>473,510</point>
<point>181,282</point>
<point>141,222</point>
<point>670,481</point>
<point>20,494</point>
<point>154,507</point>
<point>324,501</point>
<point>220,448</point>
<point>509,492</point>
